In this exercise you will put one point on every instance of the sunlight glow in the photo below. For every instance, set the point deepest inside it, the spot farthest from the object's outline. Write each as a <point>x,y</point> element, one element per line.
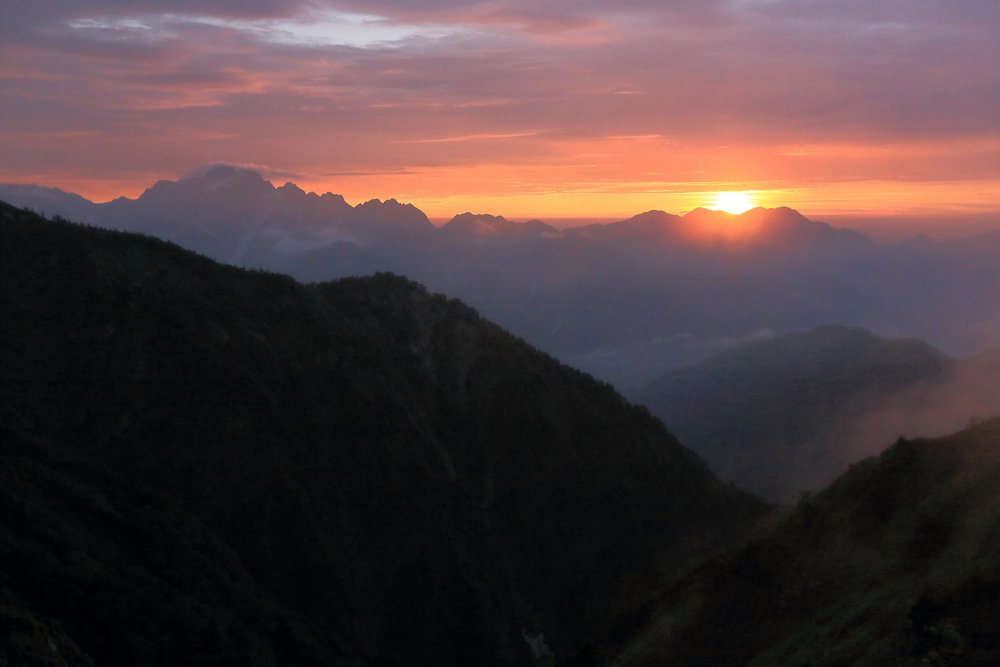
<point>733,202</point>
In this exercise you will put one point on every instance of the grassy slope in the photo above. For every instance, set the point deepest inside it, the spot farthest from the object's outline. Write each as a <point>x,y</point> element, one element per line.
<point>895,563</point>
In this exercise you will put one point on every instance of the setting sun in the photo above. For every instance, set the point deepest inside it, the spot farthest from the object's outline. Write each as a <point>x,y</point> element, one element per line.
<point>733,202</point>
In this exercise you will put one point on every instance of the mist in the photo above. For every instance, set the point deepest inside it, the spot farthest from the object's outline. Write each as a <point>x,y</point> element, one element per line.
<point>781,415</point>
<point>966,395</point>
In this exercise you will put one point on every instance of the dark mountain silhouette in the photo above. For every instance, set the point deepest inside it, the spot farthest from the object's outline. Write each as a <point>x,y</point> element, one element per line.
<point>781,415</point>
<point>896,563</point>
<point>207,465</point>
<point>625,301</point>
<point>388,221</point>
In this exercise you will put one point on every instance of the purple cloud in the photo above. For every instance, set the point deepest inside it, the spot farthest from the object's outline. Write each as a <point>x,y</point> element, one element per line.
<point>425,84</point>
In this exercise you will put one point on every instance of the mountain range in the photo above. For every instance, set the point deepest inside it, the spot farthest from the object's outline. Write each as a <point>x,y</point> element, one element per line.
<point>209,465</point>
<point>624,301</point>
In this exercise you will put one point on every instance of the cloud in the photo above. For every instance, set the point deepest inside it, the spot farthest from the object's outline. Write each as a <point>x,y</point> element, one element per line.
<point>483,136</point>
<point>387,85</point>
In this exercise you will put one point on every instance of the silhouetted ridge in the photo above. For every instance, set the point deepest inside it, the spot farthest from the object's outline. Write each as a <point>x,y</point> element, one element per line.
<point>702,214</point>
<point>643,222</point>
<point>386,218</point>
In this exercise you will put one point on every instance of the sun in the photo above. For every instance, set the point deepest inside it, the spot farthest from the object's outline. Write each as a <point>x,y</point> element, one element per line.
<point>733,202</point>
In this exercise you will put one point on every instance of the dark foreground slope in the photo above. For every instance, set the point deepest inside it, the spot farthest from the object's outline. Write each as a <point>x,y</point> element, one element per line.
<point>225,467</point>
<point>96,570</point>
<point>897,562</point>
<point>789,413</point>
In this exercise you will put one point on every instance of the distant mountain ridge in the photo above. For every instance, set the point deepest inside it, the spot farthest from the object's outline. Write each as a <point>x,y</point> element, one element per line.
<point>496,227</point>
<point>624,301</point>
<point>227,198</point>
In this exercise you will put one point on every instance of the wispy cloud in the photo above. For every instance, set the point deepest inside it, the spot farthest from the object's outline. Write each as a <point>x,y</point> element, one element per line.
<point>482,136</point>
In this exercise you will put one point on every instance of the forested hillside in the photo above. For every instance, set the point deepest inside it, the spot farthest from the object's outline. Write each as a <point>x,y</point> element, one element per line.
<point>216,466</point>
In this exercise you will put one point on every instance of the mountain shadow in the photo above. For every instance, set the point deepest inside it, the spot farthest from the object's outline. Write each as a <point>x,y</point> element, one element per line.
<point>219,466</point>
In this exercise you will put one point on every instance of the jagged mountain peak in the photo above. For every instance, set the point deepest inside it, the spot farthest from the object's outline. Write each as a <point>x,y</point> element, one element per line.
<point>292,188</point>
<point>375,202</point>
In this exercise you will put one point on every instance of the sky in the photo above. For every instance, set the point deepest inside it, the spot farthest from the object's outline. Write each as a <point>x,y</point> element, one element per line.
<point>540,108</point>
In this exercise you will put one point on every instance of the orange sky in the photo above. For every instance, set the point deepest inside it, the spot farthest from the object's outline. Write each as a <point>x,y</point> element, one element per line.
<point>526,109</point>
